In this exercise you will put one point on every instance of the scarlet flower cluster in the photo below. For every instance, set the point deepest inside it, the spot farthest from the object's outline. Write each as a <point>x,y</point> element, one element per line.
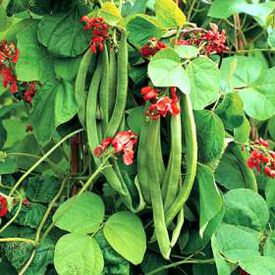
<point>152,47</point>
<point>123,142</point>
<point>212,41</point>
<point>163,105</point>
<point>99,32</point>
<point>261,158</point>
<point>3,206</point>
<point>8,58</point>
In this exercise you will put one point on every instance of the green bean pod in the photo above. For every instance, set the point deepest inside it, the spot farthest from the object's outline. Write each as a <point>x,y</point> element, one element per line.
<point>113,80</point>
<point>248,175</point>
<point>80,94</point>
<point>189,128</point>
<point>105,88</point>
<point>122,88</point>
<point>161,231</point>
<point>177,230</point>
<point>173,173</point>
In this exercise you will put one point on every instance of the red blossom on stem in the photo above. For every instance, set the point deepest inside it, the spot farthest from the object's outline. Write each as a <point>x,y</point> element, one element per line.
<point>149,93</point>
<point>152,47</point>
<point>123,142</point>
<point>99,32</point>
<point>29,93</point>
<point>3,206</point>
<point>261,158</point>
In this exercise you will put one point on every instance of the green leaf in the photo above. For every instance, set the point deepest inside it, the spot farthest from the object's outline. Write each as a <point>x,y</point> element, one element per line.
<point>205,81</point>
<point>58,99</point>
<point>3,19</point>
<point>271,127</point>
<point>66,68</point>
<point>16,131</point>
<point>242,133</point>
<point>35,63</point>
<point>122,230</point>
<point>81,214</point>
<point>136,119</point>
<point>169,14</point>
<point>270,193</point>
<point>30,215</point>
<point>42,188</point>
<point>63,34</point>
<point>229,173</point>
<point>258,265</point>
<point>164,71</point>
<point>230,110</point>
<point>110,13</point>
<point>236,244</point>
<point>141,28</point>
<point>151,262</point>
<point>78,254</point>
<point>186,51</point>
<point>7,165</point>
<point>254,85</point>
<point>113,262</point>
<point>208,189</point>
<point>244,207</point>
<point>269,245</point>
<point>211,135</point>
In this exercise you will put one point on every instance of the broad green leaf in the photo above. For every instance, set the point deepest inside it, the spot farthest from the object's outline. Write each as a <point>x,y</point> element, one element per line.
<point>151,262</point>
<point>30,215</point>
<point>136,119</point>
<point>229,173</point>
<point>242,133</point>
<point>122,230</point>
<point>208,189</point>
<point>186,51</point>
<point>66,68</point>
<point>16,131</point>
<point>230,110</point>
<point>169,14</point>
<point>7,165</point>
<point>81,214</point>
<point>35,63</point>
<point>78,254</point>
<point>271,37</point>
<point>63,34</point>
<point>164,71</point>
<point>3,135</point>
<point>42,188</point>
<point>270,193</point>
<point>113,262</point>
<point>58,99</point>
<point>254,85</point>
<point>244,207</point>
<point>269,245</point>
<point>205,81</point>
<point>141,28</point>
<point>271,127</point>
<point>3,19</point>
<point>258,265</point>
<point>211,135</point>
<point>236,244</point>
<point>137,7</point>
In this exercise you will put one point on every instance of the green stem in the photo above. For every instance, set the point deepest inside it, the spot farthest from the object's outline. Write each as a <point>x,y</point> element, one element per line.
<point>26,266</point>
<point>189,128</point>
<point>22,240</point>
<point>176,264</point>
<point>25,175</point>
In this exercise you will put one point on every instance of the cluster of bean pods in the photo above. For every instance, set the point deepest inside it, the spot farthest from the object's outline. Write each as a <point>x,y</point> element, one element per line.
<point>158,186</point>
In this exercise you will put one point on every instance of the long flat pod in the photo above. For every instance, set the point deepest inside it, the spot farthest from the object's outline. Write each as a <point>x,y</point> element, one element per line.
<point>80,94</point>
<point>173,173</point>
<point>122,87</point>
<point>113,79</point>
<point>189,128</point>
<point>104,88</point>
<point>161,231</point>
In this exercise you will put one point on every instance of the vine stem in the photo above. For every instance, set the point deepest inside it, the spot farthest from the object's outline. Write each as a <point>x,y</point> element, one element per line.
<point>189,127</point>
<point>22,240</point>
<point>31,169</point>
<point>176,264</point>
<point>26,266</point>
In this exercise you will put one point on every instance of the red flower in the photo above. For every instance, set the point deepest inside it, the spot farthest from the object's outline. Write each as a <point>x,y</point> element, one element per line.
<point>152,47</point>
<point>30,92</point>
<point>3,206</point>
<point>99,32</point>
<point>9,79</point>
<point>183,42</point>
<point>8,51</point>
<point>149,93</point>
<point>123,142</point>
